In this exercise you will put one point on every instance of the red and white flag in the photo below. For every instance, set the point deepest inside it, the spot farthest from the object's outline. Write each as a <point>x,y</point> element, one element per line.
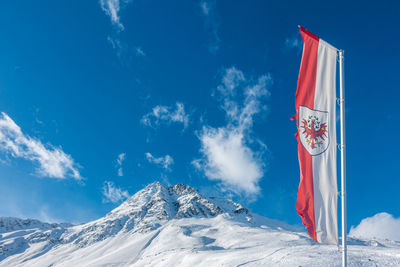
<point>316,124</point>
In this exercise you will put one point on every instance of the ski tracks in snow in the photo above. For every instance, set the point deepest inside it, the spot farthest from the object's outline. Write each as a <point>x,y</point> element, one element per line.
<point>270,254</point>
<point>139,255</point>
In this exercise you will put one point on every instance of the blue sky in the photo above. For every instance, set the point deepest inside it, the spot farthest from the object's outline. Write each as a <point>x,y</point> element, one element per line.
<point>100,98</point>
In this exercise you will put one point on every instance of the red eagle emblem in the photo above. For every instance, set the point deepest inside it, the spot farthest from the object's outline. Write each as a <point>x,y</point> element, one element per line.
<point>314,131</point>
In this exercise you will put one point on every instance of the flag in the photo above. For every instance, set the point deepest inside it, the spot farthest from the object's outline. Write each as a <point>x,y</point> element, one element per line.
<point>316,137</point>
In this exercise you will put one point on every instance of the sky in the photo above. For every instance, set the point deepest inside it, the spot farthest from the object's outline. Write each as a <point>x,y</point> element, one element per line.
<point>100,98</point>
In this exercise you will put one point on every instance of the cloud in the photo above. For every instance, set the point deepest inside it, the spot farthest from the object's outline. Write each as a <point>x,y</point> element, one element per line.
<point>165,114</point>
<point>45,216</point>
<point>208,11</point>
<point>229,159</point>
<point>231,80</point>
<point>113,194</point>
<point>120,159</point>
<point>119,47</point>
<point>140,52</point>
<point>124,51</point>
<point>205,7</point>
<point>380,226</point>
<point>112,9</point>
<point>164,162</point>
<point>52,161</point>
<point>294,43</point>
<point>228,153</point>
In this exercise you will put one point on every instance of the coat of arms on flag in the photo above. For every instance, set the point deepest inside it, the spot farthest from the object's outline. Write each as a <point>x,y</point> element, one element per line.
<point>313,130</point>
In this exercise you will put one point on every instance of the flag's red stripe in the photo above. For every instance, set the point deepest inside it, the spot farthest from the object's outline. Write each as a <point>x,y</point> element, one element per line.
<point>305,97</point>
<point>310,34</point>
<point>308,71</point>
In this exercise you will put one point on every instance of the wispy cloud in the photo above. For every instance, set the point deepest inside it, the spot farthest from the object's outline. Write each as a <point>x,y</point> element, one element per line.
<point>52,161</point>
<point>165,114</point>
<point>112,193</point>
<point>294,43</point>
<point>380,226</point>
<point>165,162</point>
<point>227,155</point>
<point>112,9</point>
<point>208,11</point>
<point>120,159</point>
<point>140,52</point>
<point>205,7</point>
<point>123,51</point>
<point>44,215</point>
<point>117,45</point>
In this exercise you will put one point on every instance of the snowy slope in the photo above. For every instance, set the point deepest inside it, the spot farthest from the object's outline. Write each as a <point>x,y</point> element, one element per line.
<point>177,226</point>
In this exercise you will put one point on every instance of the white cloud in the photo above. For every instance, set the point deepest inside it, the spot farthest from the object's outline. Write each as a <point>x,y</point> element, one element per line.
<point>45,216</point>
<point>120,159</point>
<point>113,194</point>
<point>52,161</point>
<point>140,52</point>
<point>123,50</point>
<point>227,155</point>
<point>165,114</point>
<point>293,42</point>
<point>228,159</point>
<point>208,10</point>
<point>231,80</point>
<point>116,44</point>
<point>164,162</point>
<point>381,226</point>
<point>205,8</point>
<point>112,9</point>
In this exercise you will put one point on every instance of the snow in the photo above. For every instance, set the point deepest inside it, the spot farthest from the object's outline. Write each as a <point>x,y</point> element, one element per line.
<point>177,226</point>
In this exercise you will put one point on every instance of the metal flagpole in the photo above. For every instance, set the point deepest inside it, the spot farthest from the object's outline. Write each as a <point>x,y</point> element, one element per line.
<point>343,159</point>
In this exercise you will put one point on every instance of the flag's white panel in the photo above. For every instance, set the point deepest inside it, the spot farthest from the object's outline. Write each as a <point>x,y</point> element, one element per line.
<point>324,164</point>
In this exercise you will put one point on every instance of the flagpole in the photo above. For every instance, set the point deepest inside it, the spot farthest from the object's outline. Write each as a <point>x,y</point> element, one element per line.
<point>343,159</point>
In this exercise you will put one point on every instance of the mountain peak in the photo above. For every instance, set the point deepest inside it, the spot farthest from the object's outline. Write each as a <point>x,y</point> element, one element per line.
<point>147,210</point>
<point>167,202</point>
<point>182,189</point>
<point>152,207</point>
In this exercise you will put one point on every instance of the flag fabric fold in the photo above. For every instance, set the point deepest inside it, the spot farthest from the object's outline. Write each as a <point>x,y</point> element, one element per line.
<point>316,123</point>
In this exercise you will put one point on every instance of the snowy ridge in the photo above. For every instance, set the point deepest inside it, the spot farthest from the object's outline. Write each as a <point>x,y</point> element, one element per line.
<point>147,210</point>
<point>177,226</point>
<point>17,234</point>
<point>8,224</point>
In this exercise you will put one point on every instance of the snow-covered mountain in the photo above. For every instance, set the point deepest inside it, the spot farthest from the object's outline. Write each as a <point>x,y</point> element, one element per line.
<point>177,226</point>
